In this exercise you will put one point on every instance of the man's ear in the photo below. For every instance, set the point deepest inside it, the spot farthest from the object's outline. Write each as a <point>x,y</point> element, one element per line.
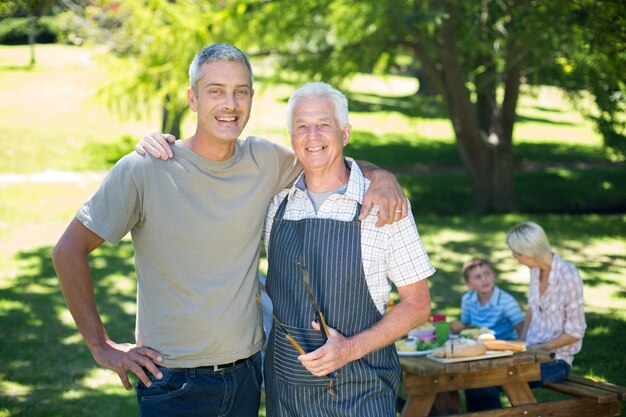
<point>192,99</point>
<point>347,130</point>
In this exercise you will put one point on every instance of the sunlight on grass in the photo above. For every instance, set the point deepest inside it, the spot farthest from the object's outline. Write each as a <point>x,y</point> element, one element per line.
<point>9,305</point>
<point>121,283</point>
<point>447,235</point>
<point>103,380</point>
<point>598,331</point>
<point>17,392</point>
<point>561,172</point>
<point>128,307</point>
<point>388,85</point>
<point>73,394</point>
<point>65,317</point>
<point>75,339</point>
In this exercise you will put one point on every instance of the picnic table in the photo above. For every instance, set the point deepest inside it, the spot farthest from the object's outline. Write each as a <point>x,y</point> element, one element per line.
<point>425,379</point>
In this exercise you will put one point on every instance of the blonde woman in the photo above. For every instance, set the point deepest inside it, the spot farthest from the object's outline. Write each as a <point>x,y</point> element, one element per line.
<point>555,320</point>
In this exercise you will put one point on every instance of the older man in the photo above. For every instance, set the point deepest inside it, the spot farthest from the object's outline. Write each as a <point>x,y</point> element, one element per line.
<point>323,259</point>
<point>196,223</point>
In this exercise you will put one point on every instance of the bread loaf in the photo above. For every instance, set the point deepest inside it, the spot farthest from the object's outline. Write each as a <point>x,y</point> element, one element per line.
<point>514,346</point>
<point>460,348</point>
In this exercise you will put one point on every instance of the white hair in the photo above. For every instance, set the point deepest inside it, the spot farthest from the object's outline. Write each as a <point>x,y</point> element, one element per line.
<point>319,90</point>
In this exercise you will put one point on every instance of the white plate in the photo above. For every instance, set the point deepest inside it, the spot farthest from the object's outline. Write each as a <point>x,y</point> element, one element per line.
<point>414,352</point>
<point>490,354</point>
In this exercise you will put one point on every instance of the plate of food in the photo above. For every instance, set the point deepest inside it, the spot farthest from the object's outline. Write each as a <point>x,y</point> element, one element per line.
<point>415,347</point>
<point>464,349</point>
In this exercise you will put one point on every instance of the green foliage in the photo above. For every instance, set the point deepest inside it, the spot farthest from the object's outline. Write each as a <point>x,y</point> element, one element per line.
<point>103,156</point>
<point>153,47</point>
<point>589,58</point>
<point>14,31</point>
<point>477,53</point>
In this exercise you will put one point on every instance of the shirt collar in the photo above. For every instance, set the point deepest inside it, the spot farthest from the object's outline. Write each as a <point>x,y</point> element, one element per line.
<point>493,300</point>
<point>553,277</point>
<point>357,183</point>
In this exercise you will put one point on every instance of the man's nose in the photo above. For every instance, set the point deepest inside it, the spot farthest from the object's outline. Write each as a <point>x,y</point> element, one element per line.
<point>313,131</point>
<point>230,103</point>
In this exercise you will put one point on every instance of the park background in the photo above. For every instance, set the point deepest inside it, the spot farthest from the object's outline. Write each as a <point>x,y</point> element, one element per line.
<point>111,72</point>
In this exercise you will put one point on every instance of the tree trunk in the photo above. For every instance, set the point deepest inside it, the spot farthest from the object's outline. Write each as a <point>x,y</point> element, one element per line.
<point>171,121</point>
<point>426,86</point>
<point>483,136</point>
<point>492,185</point>
<point>32,33</point>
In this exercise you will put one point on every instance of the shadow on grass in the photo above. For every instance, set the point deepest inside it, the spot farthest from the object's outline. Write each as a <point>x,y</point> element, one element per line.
<point>47,369</point>
<point>424,107</point>
<point>545,120</point>
<point>26,67</point>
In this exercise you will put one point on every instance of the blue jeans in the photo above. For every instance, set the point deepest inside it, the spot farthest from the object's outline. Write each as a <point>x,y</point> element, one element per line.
<point>202,392</point>
<point>479,399</point>
<point>552,371</point>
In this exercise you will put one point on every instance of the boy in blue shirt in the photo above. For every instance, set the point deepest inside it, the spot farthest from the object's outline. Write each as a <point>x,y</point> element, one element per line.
<point>486,305</point>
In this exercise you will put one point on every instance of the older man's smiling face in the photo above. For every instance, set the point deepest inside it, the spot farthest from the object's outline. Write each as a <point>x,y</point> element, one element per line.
<point>316,137</point>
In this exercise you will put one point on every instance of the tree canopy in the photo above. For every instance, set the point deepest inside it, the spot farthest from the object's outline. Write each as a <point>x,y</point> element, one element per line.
<point>477,54</point>
<point>153,42</point>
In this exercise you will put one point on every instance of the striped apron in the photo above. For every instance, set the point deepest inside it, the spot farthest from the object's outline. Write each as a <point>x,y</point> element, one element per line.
<point>331,250</point>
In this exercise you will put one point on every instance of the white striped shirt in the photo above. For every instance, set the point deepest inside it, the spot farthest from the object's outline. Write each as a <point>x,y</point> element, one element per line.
<point>559,310</point>
<point>391,254</point>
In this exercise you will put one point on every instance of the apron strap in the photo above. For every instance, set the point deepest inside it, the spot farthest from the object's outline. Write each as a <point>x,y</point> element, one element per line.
<point>358,212</point>
<point>281,209</point>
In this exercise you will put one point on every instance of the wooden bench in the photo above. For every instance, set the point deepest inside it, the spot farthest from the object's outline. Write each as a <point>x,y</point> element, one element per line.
<point>590,398</point>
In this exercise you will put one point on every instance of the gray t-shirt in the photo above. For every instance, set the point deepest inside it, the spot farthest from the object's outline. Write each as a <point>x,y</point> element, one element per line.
<point>196,226</point>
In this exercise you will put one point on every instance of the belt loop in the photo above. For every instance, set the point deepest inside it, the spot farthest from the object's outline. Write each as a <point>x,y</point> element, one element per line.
<point>191,372</point>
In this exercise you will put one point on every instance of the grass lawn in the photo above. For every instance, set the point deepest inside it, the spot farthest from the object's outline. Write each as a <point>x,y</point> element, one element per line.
<point>53,124</point>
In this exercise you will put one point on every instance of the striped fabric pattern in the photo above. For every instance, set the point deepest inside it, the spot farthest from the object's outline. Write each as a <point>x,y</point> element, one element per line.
<point>331,250</point>
<point>390,254</point>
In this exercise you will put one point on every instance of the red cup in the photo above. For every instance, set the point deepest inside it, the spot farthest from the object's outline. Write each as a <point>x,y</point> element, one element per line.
<point>439,317</point>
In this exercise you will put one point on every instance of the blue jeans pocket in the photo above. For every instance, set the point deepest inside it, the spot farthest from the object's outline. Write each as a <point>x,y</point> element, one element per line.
<point>172,384</point>
<point>256,368</point>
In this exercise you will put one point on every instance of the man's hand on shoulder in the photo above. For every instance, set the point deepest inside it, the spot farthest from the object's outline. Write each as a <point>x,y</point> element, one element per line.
<point>386,192</point>
<point>157,145</point>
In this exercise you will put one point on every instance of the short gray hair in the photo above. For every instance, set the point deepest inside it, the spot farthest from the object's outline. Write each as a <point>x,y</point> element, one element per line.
<point>319,90</point>
<point>529,239</point>
<point>213,53</point>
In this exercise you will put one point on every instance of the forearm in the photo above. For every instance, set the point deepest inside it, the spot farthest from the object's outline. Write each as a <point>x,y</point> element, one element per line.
<point>369,170</point>
<point>563,339</point>
<point>409,313</point>
<point>394,324</point>
<point>75,282</point>
<point>72,267</point>
<point>519,329</point>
